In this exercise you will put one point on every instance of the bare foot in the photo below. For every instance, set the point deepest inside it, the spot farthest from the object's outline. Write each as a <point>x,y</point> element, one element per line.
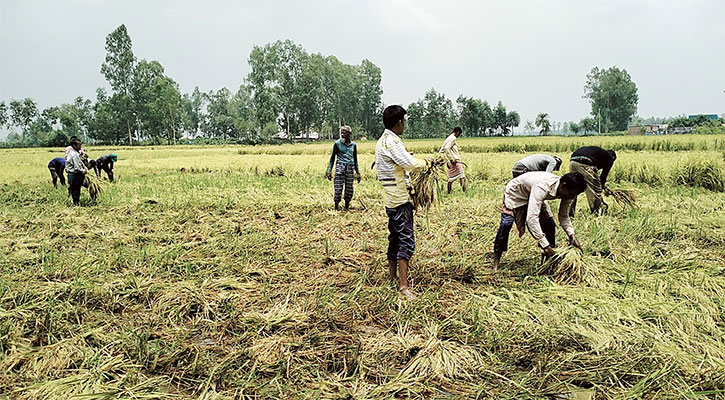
<point>407,294</point>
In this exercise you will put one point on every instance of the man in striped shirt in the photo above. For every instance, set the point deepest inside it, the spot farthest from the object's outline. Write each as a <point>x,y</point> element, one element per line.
<point>393,162</point>
<point>346,168</point>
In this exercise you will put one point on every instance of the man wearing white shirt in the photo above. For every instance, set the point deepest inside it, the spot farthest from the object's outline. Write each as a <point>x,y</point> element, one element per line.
<point>76,171</point>
<point>392,162</point>
<point>523,204</point>
<point>455,166</point>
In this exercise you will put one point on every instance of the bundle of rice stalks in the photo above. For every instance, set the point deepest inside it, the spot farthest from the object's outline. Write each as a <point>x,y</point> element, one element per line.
<point>424,183</point>
<point>624,198</point>
<point>94,185</point>
<point>570,266</point>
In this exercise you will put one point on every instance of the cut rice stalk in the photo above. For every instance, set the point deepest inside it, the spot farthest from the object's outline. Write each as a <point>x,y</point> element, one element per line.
<point>570,266</point>
<point>424,183</point>
<point>624,198</point>
<point>94,185</point>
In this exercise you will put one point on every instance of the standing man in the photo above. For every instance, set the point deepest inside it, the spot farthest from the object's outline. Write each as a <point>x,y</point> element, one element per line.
<point>76,171</point>
<point>56,167</point>
<point>346,152</point>
<point>588,160</point>
<point>105,163</point>
<point>523,203</point>
<point>70,147</point>
<point>536,162</point>
<point>392,161</point>
<point>455,166</point>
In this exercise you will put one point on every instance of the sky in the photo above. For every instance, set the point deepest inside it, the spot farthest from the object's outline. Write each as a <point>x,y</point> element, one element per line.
<point>533,55</point>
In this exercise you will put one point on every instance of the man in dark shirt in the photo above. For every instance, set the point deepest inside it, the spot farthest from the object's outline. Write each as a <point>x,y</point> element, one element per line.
<point>56,167</point>
<point>105,163</point>
<point>588,161</point>
<point>345,150</point>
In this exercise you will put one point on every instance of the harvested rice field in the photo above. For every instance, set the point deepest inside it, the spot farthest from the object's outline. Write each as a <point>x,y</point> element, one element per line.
<point>224,273</point>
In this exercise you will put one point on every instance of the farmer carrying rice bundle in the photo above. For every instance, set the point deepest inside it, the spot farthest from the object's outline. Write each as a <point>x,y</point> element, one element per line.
<point>455,166</point>
<point>345,150</point>
<point>524,203</point>
<point>392,162</point>
<point>536,162</point>
<point>588,161</point>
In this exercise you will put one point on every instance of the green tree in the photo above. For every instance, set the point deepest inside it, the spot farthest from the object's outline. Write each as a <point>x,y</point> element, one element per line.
<point>500,121</point>
<point>512,120</point>
<point>193,106</point>
<point>430,116</point>
<point>529,126</point>
<point>542,121</point>
<point>371,98</point>
<point>575,128</point>
<point>613,97</point>
<point>118,68</point>
<point>588,124</point>
<point>3,114</point>
<point>22,114</point>
<point>475,116</point>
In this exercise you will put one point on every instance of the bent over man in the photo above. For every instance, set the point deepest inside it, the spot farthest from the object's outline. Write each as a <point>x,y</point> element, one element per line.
<point>392,161</point>
<point>346,152</point>
<point>523,204</point>
<point>588,160</point>
<point>105,163</point>
<point>56,167</point>
<point>536,162</point>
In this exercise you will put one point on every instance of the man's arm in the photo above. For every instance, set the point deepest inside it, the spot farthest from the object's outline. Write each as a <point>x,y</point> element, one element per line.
<point>564,219</point>
<point>354,158</point>
<point>401,157</point>
<point>551,164</point>
<point>536,200</point>
<point>332,158</point>
<point>605,173</point>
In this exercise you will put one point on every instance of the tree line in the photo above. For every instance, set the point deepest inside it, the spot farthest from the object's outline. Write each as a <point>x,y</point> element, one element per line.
<point>287,92</point>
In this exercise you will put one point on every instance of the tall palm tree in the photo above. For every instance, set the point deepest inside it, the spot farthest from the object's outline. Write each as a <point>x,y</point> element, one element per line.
<point>542,121</point>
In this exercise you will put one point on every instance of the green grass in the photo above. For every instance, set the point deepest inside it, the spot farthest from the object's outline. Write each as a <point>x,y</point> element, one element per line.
<point>237,280</point>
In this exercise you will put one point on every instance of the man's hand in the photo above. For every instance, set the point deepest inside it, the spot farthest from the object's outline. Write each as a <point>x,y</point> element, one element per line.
<point>358,177</point>
<point>328,175</point>
<point>549,251</point>
<point>575,242</point>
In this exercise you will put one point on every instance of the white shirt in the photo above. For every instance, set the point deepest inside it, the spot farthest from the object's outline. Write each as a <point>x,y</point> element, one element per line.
<point>450,148</point>
<point>531,189</point>
<point>75,165</point>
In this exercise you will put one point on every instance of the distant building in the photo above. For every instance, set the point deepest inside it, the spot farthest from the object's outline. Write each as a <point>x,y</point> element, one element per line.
<point>650,129</point>
<point>713,117</point>
<point>308,136</point>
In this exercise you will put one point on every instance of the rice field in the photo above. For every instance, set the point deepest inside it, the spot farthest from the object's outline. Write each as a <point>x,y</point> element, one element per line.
<point>224,273</point>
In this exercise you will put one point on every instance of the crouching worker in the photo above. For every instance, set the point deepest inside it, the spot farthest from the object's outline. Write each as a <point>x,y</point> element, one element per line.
<point>524,204</point>
<point>76,171</point>
<point>536,162</point>
<point>105,163</point>
<point>56,167</point>
<point>392,161</point>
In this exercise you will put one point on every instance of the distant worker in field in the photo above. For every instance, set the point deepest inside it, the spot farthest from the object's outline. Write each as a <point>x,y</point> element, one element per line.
<point>523,204</point>
<point>56,167</point>
<point>76,171</point>
<point>392,162</point>
<point>105,163</point>
<point>70,147</point>
<point>346,152</point>
<point>588,160</point>
<point>455,166</point>
<point>536,162</point>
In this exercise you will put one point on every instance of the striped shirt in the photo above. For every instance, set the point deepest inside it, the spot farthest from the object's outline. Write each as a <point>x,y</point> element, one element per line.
<point>392,161</point>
